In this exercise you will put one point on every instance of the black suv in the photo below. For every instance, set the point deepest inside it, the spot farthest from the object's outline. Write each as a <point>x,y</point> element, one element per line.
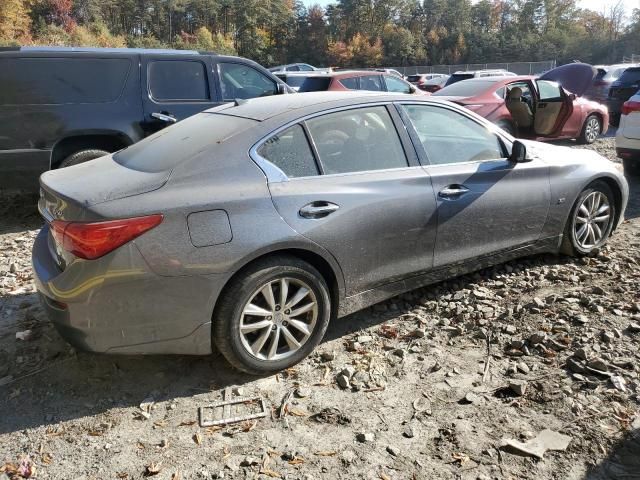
<point>63,106</point>
<point>622,90</point>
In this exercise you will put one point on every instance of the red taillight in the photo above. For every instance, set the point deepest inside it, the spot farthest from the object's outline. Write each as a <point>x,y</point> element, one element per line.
<point>630,106</point>
<point>91,240</point>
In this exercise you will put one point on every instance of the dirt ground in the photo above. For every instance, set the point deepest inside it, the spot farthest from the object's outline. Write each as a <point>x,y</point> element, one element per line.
<point>437,381</point>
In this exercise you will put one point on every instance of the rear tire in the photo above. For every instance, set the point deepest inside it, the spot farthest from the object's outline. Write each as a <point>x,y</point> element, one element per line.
<point>590,130</point>
<point>585,230</point>
<point>245,303</point>
<point>631,167</point>
<point>82,156</point>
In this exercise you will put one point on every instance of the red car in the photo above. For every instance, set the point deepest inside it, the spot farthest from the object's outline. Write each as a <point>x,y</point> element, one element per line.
<point>370,80</point>
<point>541,108</point>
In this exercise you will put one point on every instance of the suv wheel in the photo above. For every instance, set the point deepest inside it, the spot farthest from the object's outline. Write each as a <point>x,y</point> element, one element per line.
<point>82,156</point>
<point>591,220</point>
<point>272,316</point>
<point>590,130</point>
<point>631,166</point>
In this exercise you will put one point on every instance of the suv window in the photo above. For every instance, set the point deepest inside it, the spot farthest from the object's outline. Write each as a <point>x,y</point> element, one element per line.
<point>306,68</point>
<point>371,82</point>
<point>549,91</point>
<point>315,84</point>
<point>630,75</point>
<point>357,140</point>
<point>350,83</point>
<point>289,150</point>
<point>55,81</point>
<point>242,81</point>
<point>450,137</point>
<point>178,80</point>
<point>394,84</point>
<point>293,68</point>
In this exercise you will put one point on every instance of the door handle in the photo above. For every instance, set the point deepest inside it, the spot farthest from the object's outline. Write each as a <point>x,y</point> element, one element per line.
<point>453,191</point>
<point>319,209</point>
<point>164,117</point>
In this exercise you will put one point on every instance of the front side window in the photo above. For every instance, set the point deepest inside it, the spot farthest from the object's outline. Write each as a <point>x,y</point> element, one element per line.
<point>371,82</point>
<point>450,137</point>
<point>396,85</point>
<point>549,91</point>
<point>243,82</point>
<point>178,80</point>
<point>350,83</point>
<point>289,150</point>
<point>357,140</point>
<point>306,68</point>
<point>293,68</point>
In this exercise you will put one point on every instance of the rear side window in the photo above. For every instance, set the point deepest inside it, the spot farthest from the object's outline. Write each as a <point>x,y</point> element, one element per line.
<point>630,75</point>
<point>289,150</point>
<point>395,84</point>
<point>178,80</point>
<point>315,84</point>
<point>53,81</point>
<point>371,82</point>
<point>357,140</point>
<point>350,83</point>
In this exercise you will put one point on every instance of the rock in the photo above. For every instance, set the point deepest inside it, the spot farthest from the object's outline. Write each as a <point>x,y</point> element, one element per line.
<point>546,440</point>
<point>634,328</point>
<point>408,432</point>
<point>23,335</point>
<point>538,302</point>
<point>581,354</point>
<point>581,319</point>
<point>537,337</point>
<point>364,339</point>
<point>249,461</point>
<point>419,333</point>
<point>575,366</point>
<point>619,382</point>
<point>608,336</point>
<point>343,381</point>
<point>472,398</point>
<point>365,437</point>
<point>239,391</point>
<point>519,387</point>
<point>348,372</point>
<point>393,450</point>
<point>327,356</point>
<point>598,364</point>
<point>302,392</point>
<point>510,329</point>
<point>400,352</point>
<point>523,368</point>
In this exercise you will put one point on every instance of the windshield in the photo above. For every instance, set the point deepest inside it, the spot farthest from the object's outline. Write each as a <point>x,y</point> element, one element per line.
<point>295,80</point>
<point>170,146</point>
<point>456,77</point>
<point>414,78</point>
<point>465,89</point>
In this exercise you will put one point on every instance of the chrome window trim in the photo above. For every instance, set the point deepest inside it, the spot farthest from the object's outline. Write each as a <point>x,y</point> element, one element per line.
<point>275,175</point>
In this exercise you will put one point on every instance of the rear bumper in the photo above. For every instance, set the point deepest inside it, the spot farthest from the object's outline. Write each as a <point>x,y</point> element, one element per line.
<point>116,305</point>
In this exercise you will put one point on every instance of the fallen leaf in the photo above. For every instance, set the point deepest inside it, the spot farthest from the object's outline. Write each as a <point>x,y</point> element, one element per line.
<point>122,475</point>
<point>326,453</point>
<point>226,452</point>
<point>197,438</point>
<point>47,458</point>
<point>270,473</point>
<point>296,461</point>
<point>187,423</point>
<point>384,477</point>
<point>297,412</point>
<point>153,469</point>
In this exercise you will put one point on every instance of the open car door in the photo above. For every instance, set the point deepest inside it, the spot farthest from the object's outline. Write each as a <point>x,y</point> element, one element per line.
<point>553,108</point>
<point>554,105</point>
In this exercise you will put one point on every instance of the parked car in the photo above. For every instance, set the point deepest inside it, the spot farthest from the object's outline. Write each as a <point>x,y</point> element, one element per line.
<point>420,80</point>
<point>628,135</point>
<point>467,74</point>
<point>435,84</point>
<point>622,90</point>
<point>294,67</point>
<point>255,223</point>
<point>546,107</point>
<point>607,74</point>
<point>391,71</point>
<point>62,106</point>
<point>350,80</point>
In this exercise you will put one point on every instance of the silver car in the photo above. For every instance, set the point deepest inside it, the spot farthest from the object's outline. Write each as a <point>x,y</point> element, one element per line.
<point>250,226</point>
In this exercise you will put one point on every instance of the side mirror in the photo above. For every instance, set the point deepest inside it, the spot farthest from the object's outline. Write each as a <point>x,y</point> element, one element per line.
<point>518,153</point>
<point>282,89</point>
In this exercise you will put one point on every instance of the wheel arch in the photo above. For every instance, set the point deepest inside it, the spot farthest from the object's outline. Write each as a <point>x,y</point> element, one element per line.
<point>109,140</point>
<point>617,193</point>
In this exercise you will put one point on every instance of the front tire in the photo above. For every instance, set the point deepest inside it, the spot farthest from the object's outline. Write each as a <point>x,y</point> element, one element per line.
<point>591,220</point>
<point>590,130</point>
<point>83,156</point>
<point>272,315</point>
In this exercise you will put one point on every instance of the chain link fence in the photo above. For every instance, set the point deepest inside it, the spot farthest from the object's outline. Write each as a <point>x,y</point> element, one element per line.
<point>519,68</point>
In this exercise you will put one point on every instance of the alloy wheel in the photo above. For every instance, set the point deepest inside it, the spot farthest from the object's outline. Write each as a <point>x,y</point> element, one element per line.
<point>592,220</point>
<point>278,319</point>
<point>592,130</point>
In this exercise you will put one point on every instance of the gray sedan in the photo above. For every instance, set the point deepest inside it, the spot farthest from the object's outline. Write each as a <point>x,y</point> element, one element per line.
<point>252,225</point>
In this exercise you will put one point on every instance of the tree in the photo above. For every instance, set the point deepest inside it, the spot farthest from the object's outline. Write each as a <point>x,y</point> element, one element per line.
<point>15,23</point>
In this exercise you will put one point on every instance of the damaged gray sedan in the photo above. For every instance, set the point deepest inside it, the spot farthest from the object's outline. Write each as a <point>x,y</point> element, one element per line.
<point>250,226</point>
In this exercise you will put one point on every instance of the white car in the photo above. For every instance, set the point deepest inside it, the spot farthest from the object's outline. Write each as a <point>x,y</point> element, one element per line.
<point>628,135</point>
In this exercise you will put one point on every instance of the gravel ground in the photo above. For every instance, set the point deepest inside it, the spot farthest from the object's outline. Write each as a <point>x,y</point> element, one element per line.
<point>431,384</point>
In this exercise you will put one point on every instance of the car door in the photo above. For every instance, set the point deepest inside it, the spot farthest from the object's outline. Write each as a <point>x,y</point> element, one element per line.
<point>356,190</point>
<point>175,87</point>
<point>372,83</point>
<point>553,108</point>
<point>485,203</point>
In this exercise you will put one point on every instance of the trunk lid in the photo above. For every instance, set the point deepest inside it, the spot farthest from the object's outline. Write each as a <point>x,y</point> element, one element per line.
<point>574,77</point>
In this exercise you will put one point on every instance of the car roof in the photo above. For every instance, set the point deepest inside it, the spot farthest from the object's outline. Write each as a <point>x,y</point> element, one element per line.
<point>154,51</point>
<point>263,108</point>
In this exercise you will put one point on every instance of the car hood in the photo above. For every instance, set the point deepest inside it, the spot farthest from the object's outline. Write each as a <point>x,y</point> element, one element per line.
<point>574,77</point>
<point>561,155</point>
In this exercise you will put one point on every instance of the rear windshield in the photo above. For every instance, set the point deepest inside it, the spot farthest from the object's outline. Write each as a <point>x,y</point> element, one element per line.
<point>612,74</point>
<point>465,89</point>
<point>54,81</point>
<point>456,77</point>
<point>295,80</point>
<point>315,84</point>
<point>414,78</point>
<point>170,146</point>
<point>630,75</point>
